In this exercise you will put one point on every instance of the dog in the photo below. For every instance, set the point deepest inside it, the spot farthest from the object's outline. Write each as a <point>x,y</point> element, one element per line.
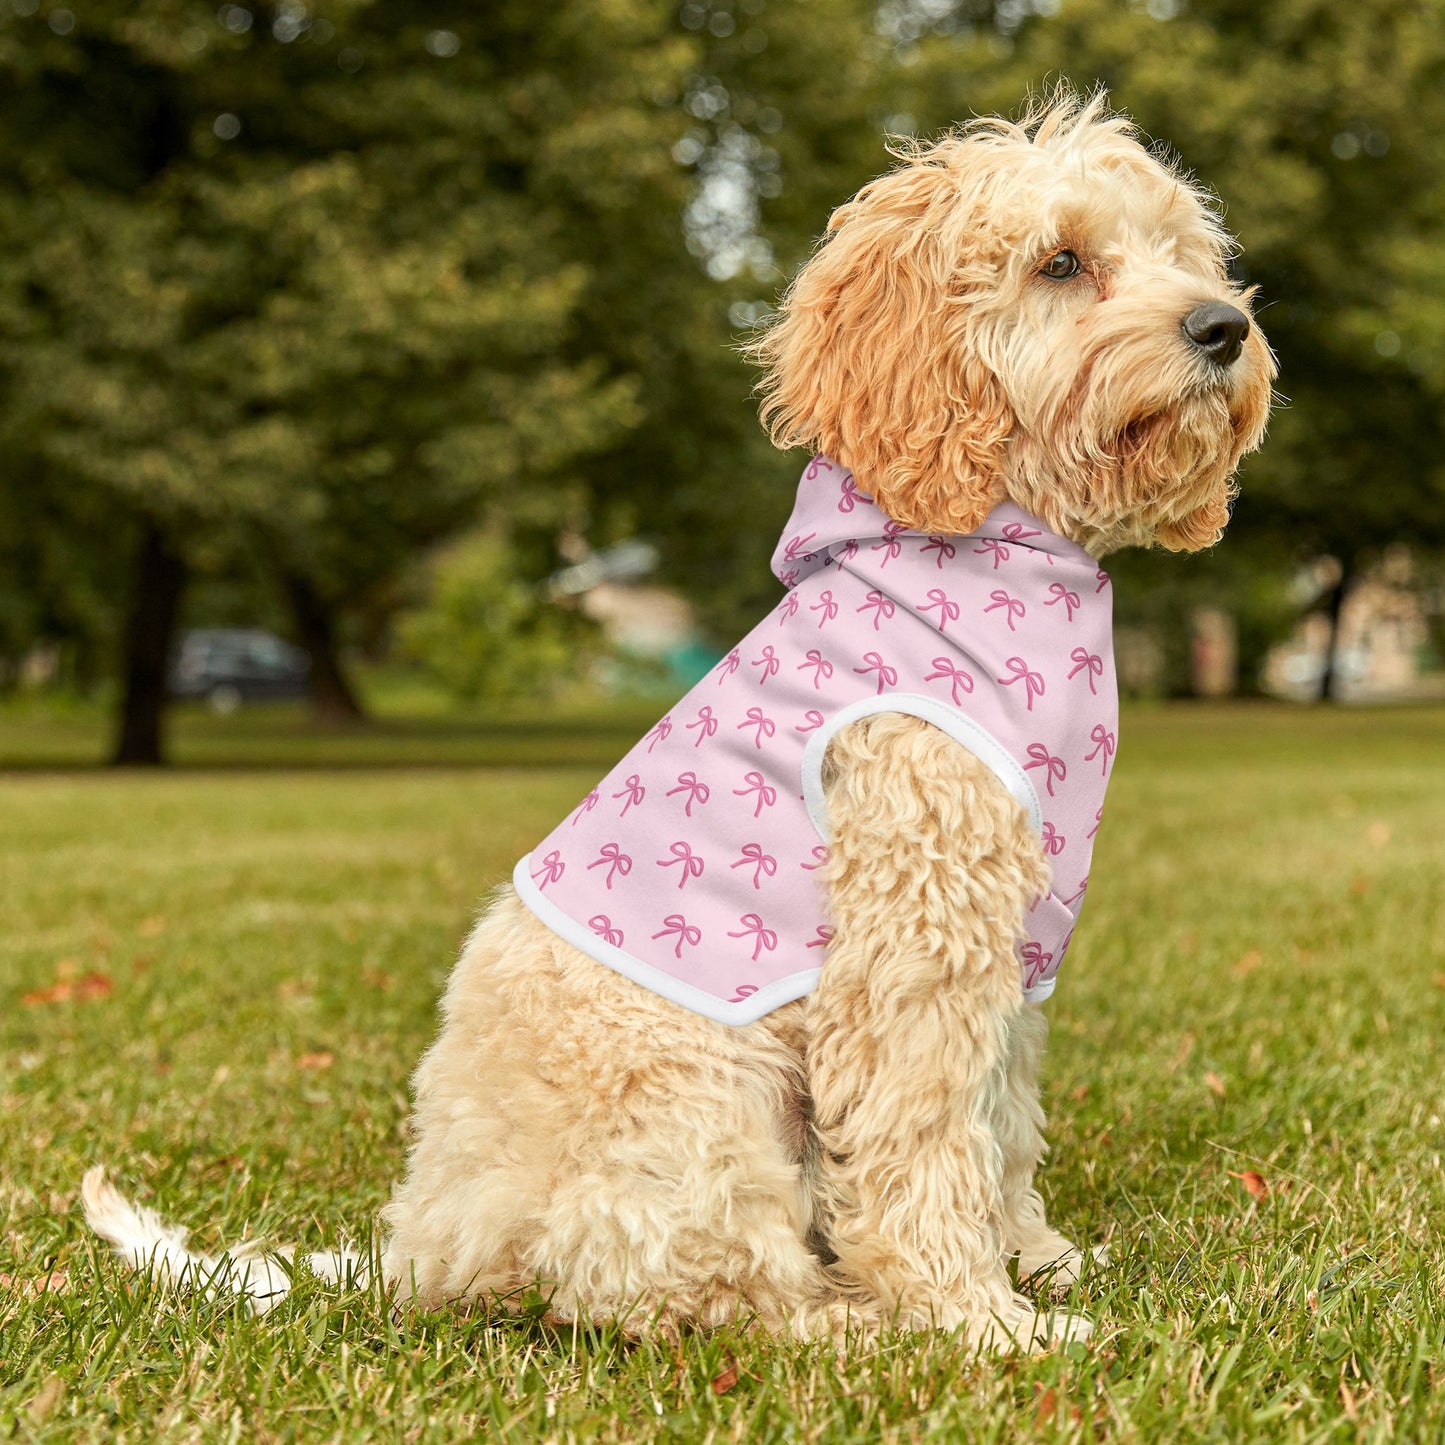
<point>755,1033</point>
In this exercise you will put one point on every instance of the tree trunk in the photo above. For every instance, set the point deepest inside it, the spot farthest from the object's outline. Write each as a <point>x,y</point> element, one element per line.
<point>160,578</point>
<point>333,700</point>
<point>1329,676</point>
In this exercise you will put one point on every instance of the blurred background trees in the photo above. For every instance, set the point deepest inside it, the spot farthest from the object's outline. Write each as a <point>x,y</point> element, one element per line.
<point>292,295</point>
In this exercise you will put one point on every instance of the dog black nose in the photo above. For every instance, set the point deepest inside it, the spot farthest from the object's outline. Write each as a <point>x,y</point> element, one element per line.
<point>1218,330</point>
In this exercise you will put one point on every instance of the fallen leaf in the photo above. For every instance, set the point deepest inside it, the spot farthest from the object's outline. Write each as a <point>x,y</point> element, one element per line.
<point>1046,1407</point>
<point>66,990</point>
<point>1214,1083</point>
<point>1254,1183</point>
<point>1248,962</point>
<point>56,1282</point>
<point>1079,1094</point>
<point>322,1059</point>
<point>724,1382</point>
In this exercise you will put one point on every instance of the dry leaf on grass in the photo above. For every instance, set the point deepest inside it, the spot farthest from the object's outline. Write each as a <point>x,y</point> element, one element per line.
<point>67,990</point>
<point>1255,1184</point>
<point>1214,1083</point>
<point>723,1382</point>
<point>1046,1407</point>
<point>1247,963</point>
<point>56,1282</point>
<point>322,1059</point>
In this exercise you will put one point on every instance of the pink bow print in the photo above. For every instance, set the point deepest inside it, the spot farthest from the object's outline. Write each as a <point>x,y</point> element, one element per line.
<point>947,607</point>
<point>1104,744</point>
<point>1016,532</point>
<point>752,927</point>
<point>765,726</point>
<point>743,991</point>
<point>616,861</point>
<point>812,720</point>
<point>1053,842</point>
<point>633,791</point>
<point>887,676</point>
<point>820,859</point>
<point>761,862</point>
<point>849,550</point>
<point>822,938</point>
<point>1053,767</point>
<point>767,795</point>
<point>675,925</point>
<point>788,609</point>
<point>1011,605</point>
<point>1098,818</point>
<point>940,544</point>
<point>826,606</point>
<point>882,607</point>
<point>821,666</point>
<point>818,461</point>
<point>768,662</point>
<point>993,545</point>
<point>890,546</point>
<point>682,853</point>
<point>957,677</point>
<point>1102,578</point>
<point>1071,600</point>
<point>1086,659</point>
<point>660,733</point>
<point>1019,672</point>
<point>728,665</point>
<point>696,792</point>
<point>848,498</point>
<point>551,870</point>
<point>795,546</point>
<point>705,722</point>
<point>1037,960</point>
<point>586,805</point>
<point>1074,898</point>
<point>601,925</point>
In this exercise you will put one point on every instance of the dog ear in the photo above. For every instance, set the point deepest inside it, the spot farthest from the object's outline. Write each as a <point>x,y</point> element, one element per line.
<point>873,357</point>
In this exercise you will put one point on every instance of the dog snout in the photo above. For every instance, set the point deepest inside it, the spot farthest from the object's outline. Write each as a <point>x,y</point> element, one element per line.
<point>1218,330</point>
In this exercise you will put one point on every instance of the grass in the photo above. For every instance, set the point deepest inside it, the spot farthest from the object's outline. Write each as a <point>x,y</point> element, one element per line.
<point>231,972</point>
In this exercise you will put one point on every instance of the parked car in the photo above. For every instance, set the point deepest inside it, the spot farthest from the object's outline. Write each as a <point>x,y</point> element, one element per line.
<point>230,665</point>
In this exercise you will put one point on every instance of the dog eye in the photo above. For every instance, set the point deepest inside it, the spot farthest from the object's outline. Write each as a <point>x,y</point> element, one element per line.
<point>1060,266</point>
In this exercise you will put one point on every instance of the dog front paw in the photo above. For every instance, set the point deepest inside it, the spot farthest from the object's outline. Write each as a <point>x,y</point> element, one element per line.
<point>1056,1268</point>
<point>1022,1326</point>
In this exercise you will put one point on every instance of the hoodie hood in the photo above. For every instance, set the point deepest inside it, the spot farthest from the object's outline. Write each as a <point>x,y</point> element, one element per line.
<point>834,520</point>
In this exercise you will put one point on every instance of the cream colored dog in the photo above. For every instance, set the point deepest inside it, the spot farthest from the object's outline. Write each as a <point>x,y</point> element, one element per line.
<point>1035,312</point>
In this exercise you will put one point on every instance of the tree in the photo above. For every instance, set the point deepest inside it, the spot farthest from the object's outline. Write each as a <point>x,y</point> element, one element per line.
<point>297,284</point>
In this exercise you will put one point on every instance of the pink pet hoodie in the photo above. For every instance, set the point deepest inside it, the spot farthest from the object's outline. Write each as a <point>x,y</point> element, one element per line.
<point>694,866</point>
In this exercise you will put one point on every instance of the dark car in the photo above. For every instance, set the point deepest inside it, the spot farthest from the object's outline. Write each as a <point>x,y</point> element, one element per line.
<point>231,665</point>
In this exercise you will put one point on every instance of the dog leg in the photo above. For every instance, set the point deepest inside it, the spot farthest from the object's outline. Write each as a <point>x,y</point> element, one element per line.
<point>576,1134</point>
<point>932,868</point>
<point>1019,1127</point>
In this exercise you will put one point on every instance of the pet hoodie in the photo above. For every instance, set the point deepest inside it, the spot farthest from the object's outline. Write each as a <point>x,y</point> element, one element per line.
<point>695,866</point>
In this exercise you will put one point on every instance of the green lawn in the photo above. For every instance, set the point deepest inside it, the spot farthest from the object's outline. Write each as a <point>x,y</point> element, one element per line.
<point>252,957</point>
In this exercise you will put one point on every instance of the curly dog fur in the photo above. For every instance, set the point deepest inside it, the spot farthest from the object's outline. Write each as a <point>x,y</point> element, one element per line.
<point>865,1156</point>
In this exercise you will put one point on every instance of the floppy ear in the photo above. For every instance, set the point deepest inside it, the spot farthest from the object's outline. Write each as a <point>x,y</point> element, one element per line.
<point>873,357</point>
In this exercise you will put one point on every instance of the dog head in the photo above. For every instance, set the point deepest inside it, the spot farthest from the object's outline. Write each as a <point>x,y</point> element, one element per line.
<point>1038,311</point>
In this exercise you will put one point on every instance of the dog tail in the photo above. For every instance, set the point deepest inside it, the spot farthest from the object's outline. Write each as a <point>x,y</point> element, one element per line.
<point>147,1243</point>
